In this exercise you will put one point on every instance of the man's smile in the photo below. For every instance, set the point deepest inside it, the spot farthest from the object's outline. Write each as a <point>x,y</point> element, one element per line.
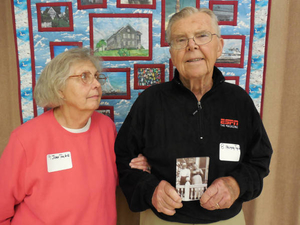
<point>195,60</point>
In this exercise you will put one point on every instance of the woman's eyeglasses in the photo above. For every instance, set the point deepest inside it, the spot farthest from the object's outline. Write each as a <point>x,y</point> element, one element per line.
<point>88,78</point>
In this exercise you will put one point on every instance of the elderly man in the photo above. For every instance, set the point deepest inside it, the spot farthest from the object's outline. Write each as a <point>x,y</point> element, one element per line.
<point>197,114</point>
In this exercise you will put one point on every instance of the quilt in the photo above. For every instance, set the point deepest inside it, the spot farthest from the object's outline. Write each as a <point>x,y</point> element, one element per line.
<point>129,36</point>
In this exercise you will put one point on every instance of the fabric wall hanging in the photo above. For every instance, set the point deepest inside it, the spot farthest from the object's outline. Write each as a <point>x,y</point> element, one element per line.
<point>44,29</point>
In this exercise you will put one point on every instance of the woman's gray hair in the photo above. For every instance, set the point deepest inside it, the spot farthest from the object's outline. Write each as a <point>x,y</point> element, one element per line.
<point>53,77</point>
<point>188,11</point>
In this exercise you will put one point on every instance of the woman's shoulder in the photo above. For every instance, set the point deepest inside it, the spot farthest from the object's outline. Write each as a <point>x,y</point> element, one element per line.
<point>36,123</point>
<point>34,128</point>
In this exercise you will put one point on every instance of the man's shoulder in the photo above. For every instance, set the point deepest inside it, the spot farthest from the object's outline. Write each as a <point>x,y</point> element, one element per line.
<point>161,86</point>
<point>235,89</point>
<point>157,89</point>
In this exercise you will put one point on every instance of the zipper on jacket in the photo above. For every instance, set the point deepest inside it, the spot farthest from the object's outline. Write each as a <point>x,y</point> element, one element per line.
<point>200,120</point>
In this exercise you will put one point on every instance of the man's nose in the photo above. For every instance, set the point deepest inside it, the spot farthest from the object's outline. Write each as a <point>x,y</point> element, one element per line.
<point>192,43</point>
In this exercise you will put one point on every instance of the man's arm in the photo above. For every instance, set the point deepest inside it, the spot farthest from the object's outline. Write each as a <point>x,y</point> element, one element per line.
<point>246,181</point>
<point>138,186</point>
<point>255,166</point>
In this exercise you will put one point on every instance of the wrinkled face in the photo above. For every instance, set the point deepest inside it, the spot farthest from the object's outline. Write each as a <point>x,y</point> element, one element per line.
<point>78,95</point>
<point>195,61</point>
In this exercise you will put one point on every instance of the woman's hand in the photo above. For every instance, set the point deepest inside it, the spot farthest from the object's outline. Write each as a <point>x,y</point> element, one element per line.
<point>140,163</point>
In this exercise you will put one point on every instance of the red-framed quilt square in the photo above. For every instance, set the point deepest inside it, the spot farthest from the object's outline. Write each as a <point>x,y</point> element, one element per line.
<point>118,37</point>
<point>55,16</point>
<point>58,47</point>
<point>117,83</point>
<point>146,75</point>
<point>226,11</point>
<point>91,4</point>
<point>233,51</point>
<point>140,4</point>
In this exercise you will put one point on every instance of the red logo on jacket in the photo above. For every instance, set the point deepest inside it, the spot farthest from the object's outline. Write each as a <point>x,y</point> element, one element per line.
<point>229,123</point>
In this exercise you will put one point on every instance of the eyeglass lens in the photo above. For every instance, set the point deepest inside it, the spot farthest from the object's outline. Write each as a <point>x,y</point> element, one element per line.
<point>102,79</point>
<point>87,77</point>
<point>201,38</point>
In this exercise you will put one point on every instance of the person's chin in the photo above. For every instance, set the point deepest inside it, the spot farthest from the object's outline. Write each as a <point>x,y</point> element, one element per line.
<point>94,105</point>
<point>196,72</point>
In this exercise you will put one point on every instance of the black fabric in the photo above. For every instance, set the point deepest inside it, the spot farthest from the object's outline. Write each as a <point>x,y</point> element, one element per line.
<point>167,122</point>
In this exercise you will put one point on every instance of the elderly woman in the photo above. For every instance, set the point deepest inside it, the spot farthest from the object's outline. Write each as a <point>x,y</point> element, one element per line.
<point>59,168</point>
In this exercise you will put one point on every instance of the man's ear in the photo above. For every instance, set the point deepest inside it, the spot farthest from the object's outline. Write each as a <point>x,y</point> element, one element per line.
<point>220,47</point>
<point>170,51</point>
<point>171,56</point>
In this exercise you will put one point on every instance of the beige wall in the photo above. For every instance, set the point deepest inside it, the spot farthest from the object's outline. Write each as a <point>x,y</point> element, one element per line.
<point>280,200</point>
<point>279,203</point>
<point>9,116</point>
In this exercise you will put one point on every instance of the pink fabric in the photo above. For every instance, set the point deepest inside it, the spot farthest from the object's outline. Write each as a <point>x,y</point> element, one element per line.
<point>84,194</point>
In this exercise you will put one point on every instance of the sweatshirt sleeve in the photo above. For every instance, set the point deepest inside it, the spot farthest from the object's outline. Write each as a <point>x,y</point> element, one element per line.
<point>137,186</point>
<point>12,178</point>
<point>255,165</point>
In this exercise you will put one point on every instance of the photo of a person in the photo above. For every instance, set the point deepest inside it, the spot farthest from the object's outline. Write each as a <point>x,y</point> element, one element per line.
<point>191,177</point>
<point>185,174</point>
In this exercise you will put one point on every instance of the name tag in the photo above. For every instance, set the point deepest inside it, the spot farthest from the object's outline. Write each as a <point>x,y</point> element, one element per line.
<point>229,152</point>
<point>59,161</point>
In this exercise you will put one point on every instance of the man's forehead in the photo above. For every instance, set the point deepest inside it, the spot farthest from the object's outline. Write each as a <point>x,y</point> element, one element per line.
<point>196,22</point>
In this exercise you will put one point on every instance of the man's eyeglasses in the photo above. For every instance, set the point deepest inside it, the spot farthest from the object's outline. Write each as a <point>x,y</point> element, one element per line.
<point>201,38</point>
<point>88,78</point>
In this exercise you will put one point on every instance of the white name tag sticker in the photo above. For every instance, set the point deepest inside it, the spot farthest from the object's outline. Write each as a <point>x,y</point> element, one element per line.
<point>229,152</point>
<point>59,161</point>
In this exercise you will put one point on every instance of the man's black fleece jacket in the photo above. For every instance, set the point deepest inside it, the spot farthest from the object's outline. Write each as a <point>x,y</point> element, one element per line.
<point>167,122</point>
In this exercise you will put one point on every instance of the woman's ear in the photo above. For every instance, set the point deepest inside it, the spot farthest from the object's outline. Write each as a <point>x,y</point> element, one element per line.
<point>61,94</point>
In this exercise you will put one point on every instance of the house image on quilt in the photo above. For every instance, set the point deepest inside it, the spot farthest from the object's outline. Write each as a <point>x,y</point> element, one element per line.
<point>49,15</point>
<point>126,37</point>
<point>52,13</point>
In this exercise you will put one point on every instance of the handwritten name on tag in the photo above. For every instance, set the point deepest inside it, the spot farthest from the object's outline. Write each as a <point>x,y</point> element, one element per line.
<point>229,152</point>
<point>59,161</point>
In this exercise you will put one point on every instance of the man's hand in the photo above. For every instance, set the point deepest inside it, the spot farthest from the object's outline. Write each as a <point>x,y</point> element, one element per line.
<point>165,198</point>
<point>221,194</point>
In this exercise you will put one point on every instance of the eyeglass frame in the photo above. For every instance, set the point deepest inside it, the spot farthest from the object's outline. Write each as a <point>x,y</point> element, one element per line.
<point>97,74</point>
<point>187,40</point>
